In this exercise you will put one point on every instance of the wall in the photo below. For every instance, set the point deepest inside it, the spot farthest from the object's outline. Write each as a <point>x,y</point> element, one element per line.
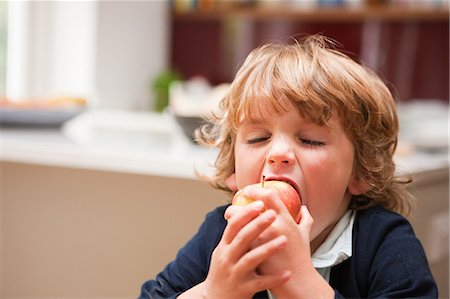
<point>132,50</point>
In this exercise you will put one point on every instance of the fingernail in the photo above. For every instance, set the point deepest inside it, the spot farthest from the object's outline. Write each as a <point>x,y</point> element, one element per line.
<point>286,275</point>
<point>259,205</point>
<point>270,215</point>
<point>281,241</point>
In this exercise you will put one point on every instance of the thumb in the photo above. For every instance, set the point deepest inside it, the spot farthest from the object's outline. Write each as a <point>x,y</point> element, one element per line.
<point>306,220</point>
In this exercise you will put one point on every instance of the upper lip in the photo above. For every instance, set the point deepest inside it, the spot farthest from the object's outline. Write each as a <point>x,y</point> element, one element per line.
<point>284,179</point>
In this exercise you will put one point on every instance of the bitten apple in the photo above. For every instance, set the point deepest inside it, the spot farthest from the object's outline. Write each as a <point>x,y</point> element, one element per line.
<point>286,193</point>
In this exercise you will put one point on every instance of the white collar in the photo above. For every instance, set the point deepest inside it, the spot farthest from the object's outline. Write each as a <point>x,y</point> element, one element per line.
<point>338,245</point>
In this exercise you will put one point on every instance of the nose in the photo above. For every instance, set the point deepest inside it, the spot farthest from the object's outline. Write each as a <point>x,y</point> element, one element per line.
<point>281,153</point>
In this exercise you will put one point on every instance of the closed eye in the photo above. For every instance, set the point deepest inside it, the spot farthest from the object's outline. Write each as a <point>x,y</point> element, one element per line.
<point>256,140</point>
<point>311,142</point>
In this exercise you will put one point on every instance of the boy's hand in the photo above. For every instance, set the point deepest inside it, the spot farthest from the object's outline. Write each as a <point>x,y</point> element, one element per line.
<point>234,262</point>
<point>296,257</point>
<point>298,235</point>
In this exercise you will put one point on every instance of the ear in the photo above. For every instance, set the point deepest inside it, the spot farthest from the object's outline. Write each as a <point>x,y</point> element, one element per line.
<point>231,182</point>
<point>356,186</point>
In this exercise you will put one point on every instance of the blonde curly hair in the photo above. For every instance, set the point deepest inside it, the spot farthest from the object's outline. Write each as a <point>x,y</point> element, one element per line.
<point>321,82</point>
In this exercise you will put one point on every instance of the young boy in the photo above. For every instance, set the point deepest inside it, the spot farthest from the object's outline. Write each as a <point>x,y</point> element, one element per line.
<point>311,116</point>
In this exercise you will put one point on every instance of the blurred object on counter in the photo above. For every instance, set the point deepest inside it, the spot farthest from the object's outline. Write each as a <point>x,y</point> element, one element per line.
<point>160,86</point>
<point>194,100</point>
<point>183,6</point>
<point>424,125</point>
<point>51,112</point>
<point>377,2</point>
<point>189,124</point>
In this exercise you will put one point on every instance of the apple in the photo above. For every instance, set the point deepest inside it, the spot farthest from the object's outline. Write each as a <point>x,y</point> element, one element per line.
<point>286,193</point>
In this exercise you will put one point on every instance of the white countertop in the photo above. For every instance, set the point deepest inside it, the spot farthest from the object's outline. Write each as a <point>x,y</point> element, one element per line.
<point>141,143</point>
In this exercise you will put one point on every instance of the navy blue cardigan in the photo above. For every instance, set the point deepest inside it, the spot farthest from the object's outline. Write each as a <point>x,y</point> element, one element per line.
<point>388,261</point>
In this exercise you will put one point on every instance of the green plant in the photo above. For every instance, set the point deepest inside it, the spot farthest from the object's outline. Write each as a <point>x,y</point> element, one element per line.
<point>160,86</point>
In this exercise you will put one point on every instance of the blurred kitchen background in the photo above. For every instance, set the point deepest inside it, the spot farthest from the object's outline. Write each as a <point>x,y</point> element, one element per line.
<point>99,100</point>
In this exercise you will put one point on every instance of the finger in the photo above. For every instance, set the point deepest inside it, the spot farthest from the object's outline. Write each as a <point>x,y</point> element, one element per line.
<point>242,242</point>
<point>306,220</point>
<point>231,211</point>
<point>256,256</point>
<point>267,235</point>
<point>240,219</point>
<point>271,201</point>
<point>270,281</point>
<point>269,197</point>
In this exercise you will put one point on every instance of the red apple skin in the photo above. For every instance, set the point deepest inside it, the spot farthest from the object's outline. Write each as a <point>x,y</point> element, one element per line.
<point>285,192</point>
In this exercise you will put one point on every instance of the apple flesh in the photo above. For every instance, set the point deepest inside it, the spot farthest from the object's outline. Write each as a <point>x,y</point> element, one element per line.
<point>285,192</point>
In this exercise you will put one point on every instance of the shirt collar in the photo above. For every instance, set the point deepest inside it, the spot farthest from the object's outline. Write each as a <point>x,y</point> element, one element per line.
<point>338,245</point>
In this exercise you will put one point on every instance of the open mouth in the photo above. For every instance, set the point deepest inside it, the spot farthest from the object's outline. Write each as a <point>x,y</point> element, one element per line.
<point>286,180</point>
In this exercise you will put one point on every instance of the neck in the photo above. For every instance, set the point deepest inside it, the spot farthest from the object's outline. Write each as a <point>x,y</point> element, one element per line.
<point>317,241</point>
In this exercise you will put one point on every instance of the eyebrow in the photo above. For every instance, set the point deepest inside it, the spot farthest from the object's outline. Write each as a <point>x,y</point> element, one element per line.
<point>253,122</point>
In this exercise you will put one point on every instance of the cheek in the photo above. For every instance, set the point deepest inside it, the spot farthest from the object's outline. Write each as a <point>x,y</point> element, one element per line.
<point>327,175</point>
<point>247,166</point>
<point>326,192</point>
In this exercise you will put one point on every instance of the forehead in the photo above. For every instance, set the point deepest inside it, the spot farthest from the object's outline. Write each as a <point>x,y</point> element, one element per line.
<point>291,118</point>
<point>263,109</point>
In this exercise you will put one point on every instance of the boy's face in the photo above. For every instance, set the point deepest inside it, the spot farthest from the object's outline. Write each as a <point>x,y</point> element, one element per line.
<point>317,159</point>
